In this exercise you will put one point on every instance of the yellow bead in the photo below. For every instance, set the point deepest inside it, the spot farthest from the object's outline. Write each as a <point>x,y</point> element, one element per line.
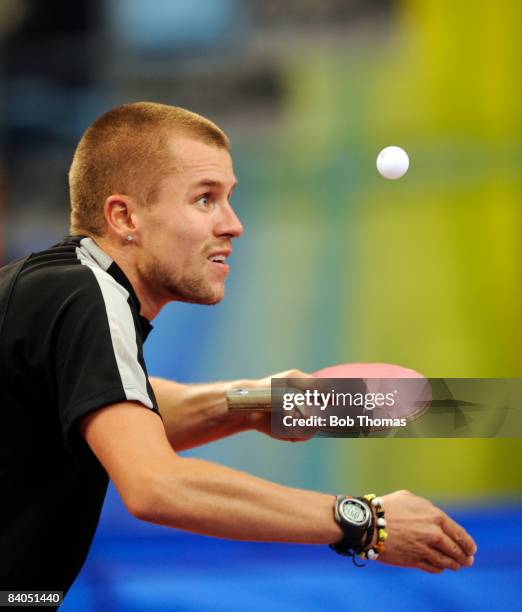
<point>382,535</point>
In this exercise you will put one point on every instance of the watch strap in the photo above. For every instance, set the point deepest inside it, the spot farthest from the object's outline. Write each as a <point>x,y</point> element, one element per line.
<point>353,535</point>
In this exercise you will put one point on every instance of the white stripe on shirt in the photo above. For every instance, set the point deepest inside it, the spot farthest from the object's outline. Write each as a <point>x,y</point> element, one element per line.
<point>121,325</point>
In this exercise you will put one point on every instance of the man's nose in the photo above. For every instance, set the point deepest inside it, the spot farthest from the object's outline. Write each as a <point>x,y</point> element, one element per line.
<point>229,223</point>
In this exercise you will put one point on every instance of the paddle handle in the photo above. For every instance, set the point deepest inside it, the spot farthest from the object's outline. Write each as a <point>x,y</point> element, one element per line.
<point>248,400</point>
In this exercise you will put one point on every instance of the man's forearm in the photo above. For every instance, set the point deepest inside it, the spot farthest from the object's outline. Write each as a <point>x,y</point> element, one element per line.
<point>158,486</point>
<point>215,500</point>
<point>196,414</point>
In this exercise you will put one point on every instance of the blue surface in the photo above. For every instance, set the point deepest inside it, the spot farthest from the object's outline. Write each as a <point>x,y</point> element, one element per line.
<point>161,569</point>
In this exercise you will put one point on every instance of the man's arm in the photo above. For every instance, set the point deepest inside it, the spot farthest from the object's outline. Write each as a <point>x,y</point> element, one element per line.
<point>197,414</point>
<point>158,486</point>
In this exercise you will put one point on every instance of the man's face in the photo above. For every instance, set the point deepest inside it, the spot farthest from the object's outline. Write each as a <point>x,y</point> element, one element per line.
<point>187,233</point>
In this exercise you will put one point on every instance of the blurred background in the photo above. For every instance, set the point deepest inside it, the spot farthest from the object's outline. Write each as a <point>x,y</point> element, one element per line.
<point>336,264</point>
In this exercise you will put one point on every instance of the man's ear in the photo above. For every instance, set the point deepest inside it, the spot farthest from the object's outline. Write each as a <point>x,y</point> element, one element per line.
<point>118,212</point>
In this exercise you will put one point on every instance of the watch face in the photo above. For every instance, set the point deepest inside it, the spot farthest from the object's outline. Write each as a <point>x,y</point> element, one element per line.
<point>354,511</point>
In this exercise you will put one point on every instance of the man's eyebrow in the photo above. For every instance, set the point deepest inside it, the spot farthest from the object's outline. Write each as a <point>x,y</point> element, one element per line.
<point>211,183</point>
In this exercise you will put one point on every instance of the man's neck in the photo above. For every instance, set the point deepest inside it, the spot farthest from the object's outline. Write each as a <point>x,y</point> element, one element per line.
<point>126,260</point>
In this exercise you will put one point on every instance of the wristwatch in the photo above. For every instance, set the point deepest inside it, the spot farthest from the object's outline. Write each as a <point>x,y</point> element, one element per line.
<point>355,517</point>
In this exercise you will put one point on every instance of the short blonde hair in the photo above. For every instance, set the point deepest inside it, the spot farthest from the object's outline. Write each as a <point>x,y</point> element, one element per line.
<point>125,151</point>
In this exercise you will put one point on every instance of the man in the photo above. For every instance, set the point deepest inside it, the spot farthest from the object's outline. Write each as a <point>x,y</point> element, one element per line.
<point>151,223</point>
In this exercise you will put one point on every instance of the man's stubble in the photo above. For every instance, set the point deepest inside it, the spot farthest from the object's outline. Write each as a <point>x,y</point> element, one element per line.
<point>183,288</point>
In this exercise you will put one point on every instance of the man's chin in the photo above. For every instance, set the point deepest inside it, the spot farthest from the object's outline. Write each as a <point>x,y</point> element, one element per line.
<point>199,300</point>
<point>210,298</point>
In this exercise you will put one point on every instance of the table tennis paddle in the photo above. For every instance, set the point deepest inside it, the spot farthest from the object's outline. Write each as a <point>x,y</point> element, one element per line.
<point>381,378</point>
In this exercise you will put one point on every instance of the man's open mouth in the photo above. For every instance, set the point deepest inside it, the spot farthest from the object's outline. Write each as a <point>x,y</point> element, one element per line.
<point>218,258</point>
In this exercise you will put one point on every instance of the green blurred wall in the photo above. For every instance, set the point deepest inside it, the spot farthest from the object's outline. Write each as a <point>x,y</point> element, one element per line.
<point>444,283</point>
<point>425,271</point>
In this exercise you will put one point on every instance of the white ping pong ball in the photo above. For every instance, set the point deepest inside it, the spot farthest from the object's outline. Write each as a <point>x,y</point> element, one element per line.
<point>393,162</point>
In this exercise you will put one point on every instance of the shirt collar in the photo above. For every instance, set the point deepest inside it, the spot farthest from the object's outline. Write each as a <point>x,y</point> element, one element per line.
<point>100,258</point>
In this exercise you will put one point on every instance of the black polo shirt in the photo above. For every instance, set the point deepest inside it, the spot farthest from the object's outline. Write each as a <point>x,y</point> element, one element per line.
<point>71,341</point>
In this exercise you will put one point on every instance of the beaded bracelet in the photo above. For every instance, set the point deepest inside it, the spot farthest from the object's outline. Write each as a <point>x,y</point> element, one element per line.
<point>373,552</point>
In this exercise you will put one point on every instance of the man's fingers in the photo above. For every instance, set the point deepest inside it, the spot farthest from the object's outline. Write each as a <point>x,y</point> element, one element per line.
<point>459,535</point>
<point>306,381</point>
<point>440,560</point>
<point>451,549</point>
<point>428,567</point>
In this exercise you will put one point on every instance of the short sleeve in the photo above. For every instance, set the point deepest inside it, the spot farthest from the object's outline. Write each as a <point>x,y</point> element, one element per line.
<point>98,351</point>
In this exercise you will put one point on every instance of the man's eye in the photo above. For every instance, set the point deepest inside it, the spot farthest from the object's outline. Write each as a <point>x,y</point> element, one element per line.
<point>204,201</point>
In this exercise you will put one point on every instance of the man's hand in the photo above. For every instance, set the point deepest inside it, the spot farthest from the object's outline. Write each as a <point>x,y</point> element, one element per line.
<point>421,535</point>
<point>198,413</point>
<point>261,421</point>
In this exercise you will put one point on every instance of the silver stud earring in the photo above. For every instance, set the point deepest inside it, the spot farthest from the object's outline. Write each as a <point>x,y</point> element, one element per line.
<point>130,238</point>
